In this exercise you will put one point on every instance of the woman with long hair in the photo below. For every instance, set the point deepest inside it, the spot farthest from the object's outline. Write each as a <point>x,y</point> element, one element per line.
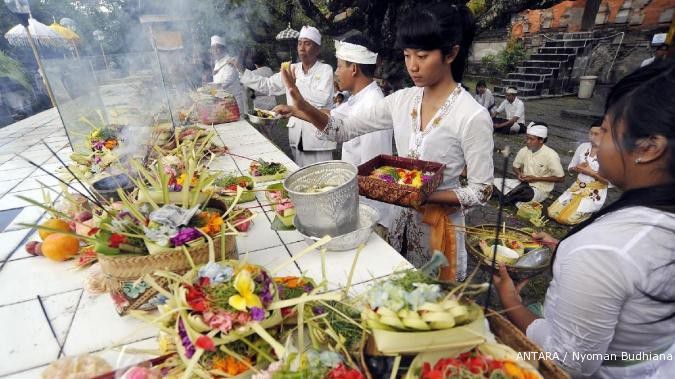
<point>436,120</point>
<point>609,311</point>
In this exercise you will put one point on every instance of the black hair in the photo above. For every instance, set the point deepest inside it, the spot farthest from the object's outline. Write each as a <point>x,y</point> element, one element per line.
<point>439,26</point>
<point>339,95</point>
<point>481,83</point>
<point>259,58</point>
<point>597,122</point>
<point>368,70</point>
<point>642,101</point>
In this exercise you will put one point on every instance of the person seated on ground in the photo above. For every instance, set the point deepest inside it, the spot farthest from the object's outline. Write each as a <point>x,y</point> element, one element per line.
<point>260,99</point>
<point>588,193</point>
<point>609,311</point>
<point>536,166</point>
<point>660,49</point>
<point>514,108</point>
<point>484,96</point>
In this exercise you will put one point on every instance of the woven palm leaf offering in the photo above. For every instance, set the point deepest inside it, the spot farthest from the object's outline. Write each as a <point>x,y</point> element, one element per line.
<point>488,360</point>
<point>515,248</point>
<point>263,171</point>
<point>98,153</point>
<point>410,312</point>
<point>193,134</point>
<point>233,311</point>
<point>226,186</point>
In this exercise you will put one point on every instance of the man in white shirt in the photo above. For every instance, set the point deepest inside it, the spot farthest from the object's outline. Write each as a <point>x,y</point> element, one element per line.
<point>515,114</point>
<point>537,167</point>
<point>484,96</point>
<point>261,100</point>
<point>354,73</point>
<point>225,73</point>
<point>315,82</point>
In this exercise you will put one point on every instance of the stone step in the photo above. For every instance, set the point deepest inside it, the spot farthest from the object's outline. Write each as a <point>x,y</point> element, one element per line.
<point>528,77</point>
<point>525,84</point>
<point>537,70</point>
<point>558,50</point>
<point>566,43</point>
<point>522,92</point>
<point>553,57</point>
<point>542,64</point>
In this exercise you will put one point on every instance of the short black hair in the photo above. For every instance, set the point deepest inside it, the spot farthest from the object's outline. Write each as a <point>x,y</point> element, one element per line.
<point>339,95</point>
<point>259,58</point>
<point>368,70</point>
<point>597,122</point>
<point>439,26</point>
<point>481,83</point>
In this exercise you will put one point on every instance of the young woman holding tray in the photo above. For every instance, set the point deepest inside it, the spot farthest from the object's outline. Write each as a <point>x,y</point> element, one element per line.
<point>610,308</point>
<point>436,121</point>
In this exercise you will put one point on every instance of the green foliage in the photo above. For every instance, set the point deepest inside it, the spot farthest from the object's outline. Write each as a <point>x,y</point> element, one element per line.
<point>478,7</point>
<point>11,69</point>
<point>506,60</point>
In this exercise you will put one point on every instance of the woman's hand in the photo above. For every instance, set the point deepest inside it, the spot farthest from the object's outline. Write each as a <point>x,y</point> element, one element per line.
<point>284,111</point>
<point>508,292</point>
<point>546,240</point>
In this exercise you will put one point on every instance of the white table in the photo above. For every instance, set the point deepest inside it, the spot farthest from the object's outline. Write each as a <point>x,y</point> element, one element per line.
<point>86,323</point>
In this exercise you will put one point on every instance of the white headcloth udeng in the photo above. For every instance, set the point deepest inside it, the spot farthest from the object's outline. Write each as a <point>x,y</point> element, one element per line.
<point>354,53</point>
<point>537,130</point>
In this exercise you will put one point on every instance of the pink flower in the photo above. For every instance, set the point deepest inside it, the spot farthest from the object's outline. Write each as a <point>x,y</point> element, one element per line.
<point>222,321</point>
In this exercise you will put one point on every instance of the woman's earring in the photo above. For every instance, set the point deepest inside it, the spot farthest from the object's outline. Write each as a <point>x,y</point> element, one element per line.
<point>637,161</point>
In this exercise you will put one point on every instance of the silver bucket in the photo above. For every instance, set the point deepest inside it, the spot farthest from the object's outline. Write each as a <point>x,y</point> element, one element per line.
<point>334,212</point>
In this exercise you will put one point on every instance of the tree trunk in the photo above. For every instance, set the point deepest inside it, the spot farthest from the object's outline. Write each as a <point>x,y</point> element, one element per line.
<point>590,11</point>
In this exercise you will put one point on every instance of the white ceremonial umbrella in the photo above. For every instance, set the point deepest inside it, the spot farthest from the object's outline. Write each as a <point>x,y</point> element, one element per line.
<point>42,34</point>
<point>288,35</point>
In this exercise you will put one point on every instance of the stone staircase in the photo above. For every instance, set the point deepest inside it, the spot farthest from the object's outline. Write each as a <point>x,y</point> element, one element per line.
<point>548,71</point>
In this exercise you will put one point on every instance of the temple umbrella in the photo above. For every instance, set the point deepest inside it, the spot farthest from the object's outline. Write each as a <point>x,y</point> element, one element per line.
<point>288,35</point>
<point>68,35</point>
<point>41,33</point>
<point>36,33</point>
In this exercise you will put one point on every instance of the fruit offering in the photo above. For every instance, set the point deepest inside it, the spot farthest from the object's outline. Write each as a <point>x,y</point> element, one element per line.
<point>396,175</point>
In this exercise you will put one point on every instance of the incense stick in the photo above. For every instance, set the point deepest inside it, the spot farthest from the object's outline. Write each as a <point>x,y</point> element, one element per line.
<point>241,156</point>
<point>60,180</point>
<point>71,172</point>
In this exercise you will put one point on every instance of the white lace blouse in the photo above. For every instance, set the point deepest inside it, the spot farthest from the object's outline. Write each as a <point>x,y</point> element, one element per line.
<point>463,137</point>
<point>597,302</point>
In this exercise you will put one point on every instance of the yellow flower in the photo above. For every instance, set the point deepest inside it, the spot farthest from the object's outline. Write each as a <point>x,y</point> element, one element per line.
<point>245,285</point>
<point>213,224</point>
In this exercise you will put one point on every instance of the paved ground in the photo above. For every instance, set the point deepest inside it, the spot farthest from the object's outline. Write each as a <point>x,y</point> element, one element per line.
<point>565,134</point>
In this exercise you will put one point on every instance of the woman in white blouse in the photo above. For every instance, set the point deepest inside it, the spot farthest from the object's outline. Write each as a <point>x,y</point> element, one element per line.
<point>436,121</point>
<point>610,308</point>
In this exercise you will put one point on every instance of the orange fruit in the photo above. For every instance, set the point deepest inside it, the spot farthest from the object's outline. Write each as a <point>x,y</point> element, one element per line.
<point>53,223</point>
<point>60,247</point>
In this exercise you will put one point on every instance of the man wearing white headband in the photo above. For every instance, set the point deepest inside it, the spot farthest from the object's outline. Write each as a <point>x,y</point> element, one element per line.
<point>315,82</point>
<point>225,73</point>
<point>537,167</point>
<point>354,73</point>
<point>515,114</point>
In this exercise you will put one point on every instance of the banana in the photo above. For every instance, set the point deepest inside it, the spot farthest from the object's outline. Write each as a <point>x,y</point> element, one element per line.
<point>440,325</point>
<point>431,307</point>
<point>405,313</point>
<point>438,317</point>
<point>498,351</point>
<point>374,324</point>
<point>384,311</point>
<point>392,321</point>
<point>449,304</point>
<point>460,313</point>
<point>368,314</point>
<point>416,323</point>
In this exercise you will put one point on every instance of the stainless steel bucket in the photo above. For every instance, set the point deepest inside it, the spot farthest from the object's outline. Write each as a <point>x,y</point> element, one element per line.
<point>331,212</point>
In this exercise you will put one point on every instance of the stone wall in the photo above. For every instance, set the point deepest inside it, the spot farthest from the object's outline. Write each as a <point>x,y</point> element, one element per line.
<point>483,48</point>
<point>566,16</point>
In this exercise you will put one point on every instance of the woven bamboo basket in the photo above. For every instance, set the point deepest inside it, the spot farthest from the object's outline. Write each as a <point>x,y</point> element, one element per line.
<point>405,196</point>
<point>507,334</point>
<point>123,273</point>
<point>517,273</point>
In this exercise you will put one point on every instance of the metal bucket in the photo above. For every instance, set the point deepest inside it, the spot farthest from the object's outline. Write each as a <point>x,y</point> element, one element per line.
<point>333,212</point>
